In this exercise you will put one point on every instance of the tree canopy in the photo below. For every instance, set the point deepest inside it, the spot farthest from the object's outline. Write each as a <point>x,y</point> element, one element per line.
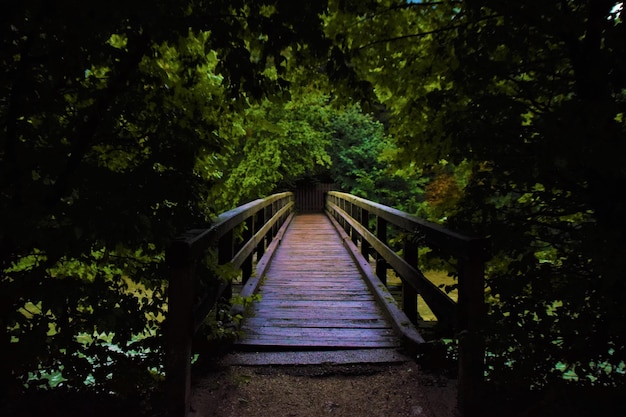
<point>115,117</point>
<point>531,96</point>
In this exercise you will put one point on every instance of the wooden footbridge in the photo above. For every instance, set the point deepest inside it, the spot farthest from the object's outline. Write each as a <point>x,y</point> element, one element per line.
<point>314,296</point>
<point>318,290</point>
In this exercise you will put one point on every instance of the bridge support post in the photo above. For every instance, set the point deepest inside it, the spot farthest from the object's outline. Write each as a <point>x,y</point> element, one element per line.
<point>179,327</point>
<point>471,344</point>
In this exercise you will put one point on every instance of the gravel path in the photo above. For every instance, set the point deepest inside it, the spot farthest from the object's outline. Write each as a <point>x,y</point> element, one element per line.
<point>385,390</point>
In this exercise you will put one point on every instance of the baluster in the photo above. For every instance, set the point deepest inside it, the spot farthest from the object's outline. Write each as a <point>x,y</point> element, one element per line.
<point>381,264</point>
<point>260,221</point>
<point>365,246</point>
<point>409,295</point>
<point>354,214</point>
<point>342,205</point>
<point>225,253</point>
<point>248,233</point>
<point>273,211</point>
<point>268,216</point>
<point>346,209</point>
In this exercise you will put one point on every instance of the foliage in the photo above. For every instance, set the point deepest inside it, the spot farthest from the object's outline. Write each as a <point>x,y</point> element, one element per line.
<point>224,327</point>
<point>283,141</point>
<point>360,152</point>
<point>312,138</point>
<point>113,117</point>
<point>530,97</point>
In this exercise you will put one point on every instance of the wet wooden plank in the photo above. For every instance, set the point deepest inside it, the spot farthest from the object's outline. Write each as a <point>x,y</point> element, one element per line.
<point>313,296</point>
<point>281,342</point>
<point>317,332</point>
<point>310,304</point>
<point>317,295</point>
<point>306,314</point>
<point>360,323</point>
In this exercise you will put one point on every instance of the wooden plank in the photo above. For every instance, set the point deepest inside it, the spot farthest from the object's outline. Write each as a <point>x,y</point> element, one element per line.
<point>313,310</point>
<point>317,332</point>
<point>304,314</point>
<point>318,296</point>
<point>306,304</point>
<point>375,323</point>
<point>313,336</point>
<point>299,275</point>
<point>277,343</point>
<point>338,292</point>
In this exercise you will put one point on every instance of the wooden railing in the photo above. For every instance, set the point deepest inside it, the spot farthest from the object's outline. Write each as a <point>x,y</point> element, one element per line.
<point>466,316</point>
<point>264,220</point>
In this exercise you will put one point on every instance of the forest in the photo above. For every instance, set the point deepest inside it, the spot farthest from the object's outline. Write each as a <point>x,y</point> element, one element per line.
<point>123,124</point>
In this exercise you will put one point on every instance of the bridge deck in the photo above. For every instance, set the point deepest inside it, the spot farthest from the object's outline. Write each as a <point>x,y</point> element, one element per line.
<point>313,296</point>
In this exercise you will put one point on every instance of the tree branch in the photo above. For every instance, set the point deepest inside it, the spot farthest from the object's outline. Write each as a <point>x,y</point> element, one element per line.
<point>413,35</point>
<point>424,4</point>
<point>423,34</point>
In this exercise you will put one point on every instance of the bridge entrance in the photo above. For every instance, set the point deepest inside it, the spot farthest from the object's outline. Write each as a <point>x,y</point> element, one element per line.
<point>293,275</point>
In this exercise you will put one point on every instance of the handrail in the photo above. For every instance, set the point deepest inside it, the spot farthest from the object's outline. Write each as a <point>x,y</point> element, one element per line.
<point>454,243</point>
<point>466,316</point>
<point>186,310</point>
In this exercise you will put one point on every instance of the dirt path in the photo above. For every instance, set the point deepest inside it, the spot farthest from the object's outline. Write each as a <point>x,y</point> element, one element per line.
<point>385,390</point>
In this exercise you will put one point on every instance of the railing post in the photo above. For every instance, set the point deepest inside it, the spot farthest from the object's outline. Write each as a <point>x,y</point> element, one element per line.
<point>246,267</point>
<point>409,295</point>
<point>225,252</point>
<point>381,264</point>
<point>179,328</point>
<point>354,214</point>
<point>260,250</point>
<point>365,246</point>
<point>471,345</point>
<point>270,234</point>
<point>342,205</point>
<point>273,211</point>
